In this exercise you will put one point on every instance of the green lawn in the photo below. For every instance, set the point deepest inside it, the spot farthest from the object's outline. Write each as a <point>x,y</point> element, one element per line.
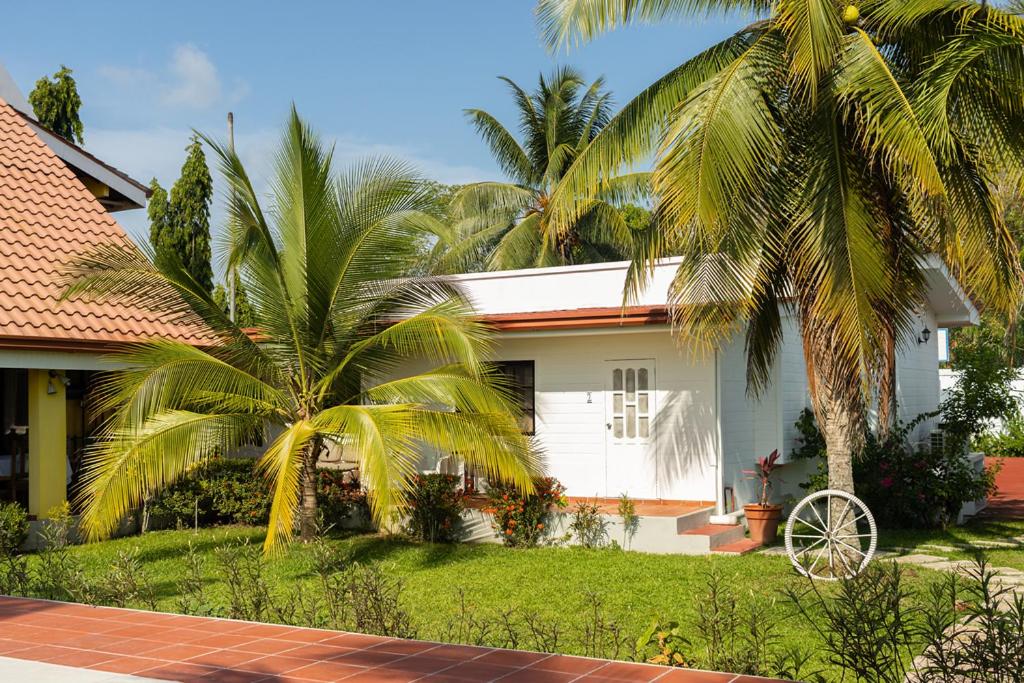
<point>550,583</point>
<point>958,542</point>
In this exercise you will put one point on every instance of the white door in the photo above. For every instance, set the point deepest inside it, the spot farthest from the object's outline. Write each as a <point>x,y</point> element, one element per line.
<point>630,450</point>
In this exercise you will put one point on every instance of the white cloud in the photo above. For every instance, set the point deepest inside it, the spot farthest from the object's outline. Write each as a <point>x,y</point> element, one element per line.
<point>195,82</point>
<point>189,81</point>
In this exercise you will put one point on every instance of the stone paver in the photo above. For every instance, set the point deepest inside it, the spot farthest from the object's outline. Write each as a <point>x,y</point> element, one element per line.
<point>173,647</point>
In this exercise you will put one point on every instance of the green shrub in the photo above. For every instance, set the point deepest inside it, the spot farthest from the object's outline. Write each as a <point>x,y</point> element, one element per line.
<point>1007,443</point>
<point>523,521</point>
<point>902,485</point>
<point>341,498</point>
<point>221,491</point>
<point>13,528</point>
<point>435,506</point>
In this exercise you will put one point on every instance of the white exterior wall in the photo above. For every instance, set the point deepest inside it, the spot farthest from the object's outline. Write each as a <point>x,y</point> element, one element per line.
<point>570,378</point>
<point>917,375</point>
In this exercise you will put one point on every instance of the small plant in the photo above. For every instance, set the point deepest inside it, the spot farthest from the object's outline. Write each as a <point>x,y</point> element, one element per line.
<point>589,526</point>
<point>58,573</point>
<point>664,643</point>
<point>14,575</point>
<point>242,567</point>
<point>867,626</point>
<point>973,629</point>
<point>762,473</point>
<point>191,588</point>
<point>630,520</point>
<point>126,583</point>
<point>435,508</point>
<point>13,528</point>
<point>376,603</point>
<point>523,521</point>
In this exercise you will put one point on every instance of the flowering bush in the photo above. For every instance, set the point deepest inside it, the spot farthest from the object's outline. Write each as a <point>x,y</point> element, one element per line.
<point>903,485</point>
<point>340,496</point>
<point>522,521</point>
<point>435,506</point>
<point>220,491</point>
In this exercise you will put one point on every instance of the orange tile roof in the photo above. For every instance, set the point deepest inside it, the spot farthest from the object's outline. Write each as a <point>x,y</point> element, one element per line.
<point>47,218</point>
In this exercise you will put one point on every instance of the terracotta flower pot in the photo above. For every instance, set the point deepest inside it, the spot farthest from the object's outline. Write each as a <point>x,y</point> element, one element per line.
<point>763,522</point>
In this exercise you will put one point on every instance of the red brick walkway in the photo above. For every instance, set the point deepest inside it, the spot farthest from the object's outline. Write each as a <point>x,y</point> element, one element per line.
<point>182,648</point>
<point>1008,503</point>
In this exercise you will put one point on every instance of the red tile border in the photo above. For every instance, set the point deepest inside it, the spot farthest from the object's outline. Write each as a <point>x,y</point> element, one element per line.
<point>187,649</point>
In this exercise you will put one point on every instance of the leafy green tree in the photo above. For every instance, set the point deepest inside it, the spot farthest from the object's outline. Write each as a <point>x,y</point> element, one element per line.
<point>56,104</point>
<point>326,272</point>
<point>190,202</point>
<point>503,225</point>
<point>245,317</point>
<point>161,231</point>
<point>179,224</point>
<point>812,161</point>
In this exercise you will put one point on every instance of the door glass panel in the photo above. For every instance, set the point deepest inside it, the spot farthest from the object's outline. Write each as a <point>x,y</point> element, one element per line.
<point>641,379</point>
<point>641,404</point>
<point>617,380</point>
<point>644,427</point>
<point>617,404</point>
<point>617,426</point>
<point>630,385</point>
<point>630,421</point>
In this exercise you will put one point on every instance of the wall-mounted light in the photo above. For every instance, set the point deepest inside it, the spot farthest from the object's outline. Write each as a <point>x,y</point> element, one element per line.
<point>925,335</point>
<point>54,375</point>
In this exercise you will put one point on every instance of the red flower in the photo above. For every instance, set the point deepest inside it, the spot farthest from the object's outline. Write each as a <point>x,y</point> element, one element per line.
<point>886,482</point>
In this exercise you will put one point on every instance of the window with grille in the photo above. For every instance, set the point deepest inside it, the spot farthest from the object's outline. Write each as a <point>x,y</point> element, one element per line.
<point>631,403</point>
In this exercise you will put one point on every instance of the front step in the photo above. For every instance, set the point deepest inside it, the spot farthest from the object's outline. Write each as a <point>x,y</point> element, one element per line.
<point>717,534</point>
<point>740,547</point>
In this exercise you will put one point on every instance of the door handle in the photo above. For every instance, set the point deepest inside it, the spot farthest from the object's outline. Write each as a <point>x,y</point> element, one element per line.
<point>608,425</point>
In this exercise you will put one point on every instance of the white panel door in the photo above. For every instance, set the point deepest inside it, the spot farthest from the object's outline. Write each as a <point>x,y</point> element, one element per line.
<point>631,455</point>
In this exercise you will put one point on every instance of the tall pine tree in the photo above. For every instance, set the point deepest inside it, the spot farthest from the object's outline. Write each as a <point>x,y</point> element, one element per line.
<point>56,104</point>
<point>180,223</point>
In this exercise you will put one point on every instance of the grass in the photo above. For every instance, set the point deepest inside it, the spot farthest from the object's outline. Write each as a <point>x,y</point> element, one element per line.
<point>551,583</point>
<point>960,542</point>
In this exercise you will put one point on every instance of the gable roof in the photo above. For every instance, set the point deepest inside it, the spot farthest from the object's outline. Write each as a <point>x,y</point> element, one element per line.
<point>47,219</point>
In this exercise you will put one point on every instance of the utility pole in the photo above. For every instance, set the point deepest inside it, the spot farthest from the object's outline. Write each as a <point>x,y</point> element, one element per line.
<point>231,270</point>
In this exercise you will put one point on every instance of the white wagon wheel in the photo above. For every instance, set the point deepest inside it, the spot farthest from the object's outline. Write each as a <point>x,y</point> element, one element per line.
<point>821,545</point>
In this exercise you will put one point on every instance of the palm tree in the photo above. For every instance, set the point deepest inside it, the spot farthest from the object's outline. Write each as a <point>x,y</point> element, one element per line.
<point>339,325</point>
<point>503,225</point>
<point>811,161</point>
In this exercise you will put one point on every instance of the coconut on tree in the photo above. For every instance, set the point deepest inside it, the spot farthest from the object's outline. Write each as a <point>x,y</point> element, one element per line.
<point>326,266</point>
<point>500,225</point>
<point>810,162</point>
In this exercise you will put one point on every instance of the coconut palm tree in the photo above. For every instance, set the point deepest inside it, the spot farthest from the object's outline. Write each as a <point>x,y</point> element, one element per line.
<point>812,161</point>
<point>503,225</point>
<point>339,328</point>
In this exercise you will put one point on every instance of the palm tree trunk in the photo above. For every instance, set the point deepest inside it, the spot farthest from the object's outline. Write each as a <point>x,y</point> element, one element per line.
<point>308,507</point>
<point>887,386</point>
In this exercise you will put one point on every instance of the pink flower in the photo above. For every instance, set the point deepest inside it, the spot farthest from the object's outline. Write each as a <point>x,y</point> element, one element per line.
<point>886,482</point>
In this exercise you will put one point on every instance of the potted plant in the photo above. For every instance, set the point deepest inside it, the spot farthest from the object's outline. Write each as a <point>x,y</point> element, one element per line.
<point>762,517</point>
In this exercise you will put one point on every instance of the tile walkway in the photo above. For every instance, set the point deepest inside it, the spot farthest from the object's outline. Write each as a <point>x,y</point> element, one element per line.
<point>174,647</point>
<point>1008,502</point>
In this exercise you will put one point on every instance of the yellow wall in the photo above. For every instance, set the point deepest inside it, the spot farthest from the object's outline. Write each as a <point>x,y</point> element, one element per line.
<point>47,443</point>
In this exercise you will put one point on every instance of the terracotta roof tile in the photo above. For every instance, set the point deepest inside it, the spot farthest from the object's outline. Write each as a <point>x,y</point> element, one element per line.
<point>47,218</point>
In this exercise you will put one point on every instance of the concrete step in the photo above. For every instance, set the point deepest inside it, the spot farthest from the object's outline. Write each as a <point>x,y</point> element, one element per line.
<point>740,547</point>
<point>693,520</point>
<point>718,534</point>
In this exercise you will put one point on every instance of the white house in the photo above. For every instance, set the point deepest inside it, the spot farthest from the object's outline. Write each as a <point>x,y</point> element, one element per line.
<point>619,408</point>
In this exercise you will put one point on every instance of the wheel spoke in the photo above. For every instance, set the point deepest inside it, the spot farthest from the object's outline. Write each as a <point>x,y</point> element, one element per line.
<point>821,536</point>
<point>842,557</point>
<point>856,550</point>
<point>804,521</point>
<point>807,549</point>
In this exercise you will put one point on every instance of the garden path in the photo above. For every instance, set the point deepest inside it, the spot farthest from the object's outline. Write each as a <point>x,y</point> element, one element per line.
<point>174,647</point>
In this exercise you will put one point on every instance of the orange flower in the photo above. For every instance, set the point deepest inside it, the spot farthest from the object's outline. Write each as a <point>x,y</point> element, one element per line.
<point>508,532</point>
<point>540,526</point>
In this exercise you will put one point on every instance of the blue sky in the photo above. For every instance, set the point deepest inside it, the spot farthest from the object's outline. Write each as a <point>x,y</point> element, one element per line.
<point>376,77</point>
